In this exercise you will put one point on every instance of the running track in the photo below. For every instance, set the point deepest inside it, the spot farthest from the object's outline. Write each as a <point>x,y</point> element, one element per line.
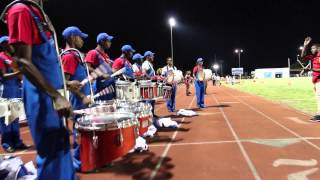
<point>239,136</point>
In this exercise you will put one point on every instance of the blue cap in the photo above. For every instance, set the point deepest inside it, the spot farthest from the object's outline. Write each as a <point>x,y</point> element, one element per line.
<point>137,57</point>
<point>199,60</point>
<point>127,48</point>
<point>104,37</point>
<point>4,39</point>
<point>148,54</point>
<point>73,31</point>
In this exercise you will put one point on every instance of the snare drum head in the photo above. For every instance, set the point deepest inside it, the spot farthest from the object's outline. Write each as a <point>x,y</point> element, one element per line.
<point>145,82</point>
<point>121,83</point>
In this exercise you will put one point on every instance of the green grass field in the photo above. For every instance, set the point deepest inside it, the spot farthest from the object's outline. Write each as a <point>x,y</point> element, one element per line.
<point>294,92</point>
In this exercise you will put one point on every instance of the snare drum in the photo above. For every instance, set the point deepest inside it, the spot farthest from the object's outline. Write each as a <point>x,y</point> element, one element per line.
<point>127,91</point>
<point>104,138</point>
<point>167,91</point>
<point>146,89</point>
<point>11,109</point>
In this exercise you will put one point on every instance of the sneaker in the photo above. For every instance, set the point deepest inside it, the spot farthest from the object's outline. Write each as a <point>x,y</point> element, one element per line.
<point>315,118</point>
<point>9,149</point>
<point>23,147</point>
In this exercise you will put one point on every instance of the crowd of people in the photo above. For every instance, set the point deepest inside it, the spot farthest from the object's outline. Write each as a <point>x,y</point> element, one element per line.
<point>34,68</point>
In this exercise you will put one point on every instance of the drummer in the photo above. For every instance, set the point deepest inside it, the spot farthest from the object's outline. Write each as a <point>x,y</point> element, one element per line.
<point>10,139</point>
<point>198,75</point>
<point>137,66</point>
<point>98,56</point>
<point>124,61</point>
<point>75,71</point>
<point>32,36</point>
<point>166,72</point>
<point>149,72</point>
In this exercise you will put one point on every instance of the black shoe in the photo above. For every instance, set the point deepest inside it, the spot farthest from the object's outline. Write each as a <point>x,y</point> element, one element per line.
<point>315,118</point>
<point>9,150</point>
<point>23,147</point>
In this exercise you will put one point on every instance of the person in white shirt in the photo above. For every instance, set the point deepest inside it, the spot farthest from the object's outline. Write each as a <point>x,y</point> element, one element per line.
<point>166,72</point>
<point>149,72</point>
<point>137,66</point>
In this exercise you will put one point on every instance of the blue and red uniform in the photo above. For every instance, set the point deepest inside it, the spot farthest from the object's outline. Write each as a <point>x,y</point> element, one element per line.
<point>26,25</point>
<point>76,68</point>
<point>171,101</point>
<point>315,60</point>
<point>96,57</point>
<point>199,85</point>
<point>122,62</point>
<point>11,89</point>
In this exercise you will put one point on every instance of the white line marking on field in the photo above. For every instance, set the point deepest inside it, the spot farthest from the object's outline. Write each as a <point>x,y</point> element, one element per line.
<point>229,102</point>
<point>277,123</point>
<point>231,141</point>
<point>302,175</point>
<point>297,120</point>
<point>243,151</point>
<point>294,162</point>
<point>168,146</point>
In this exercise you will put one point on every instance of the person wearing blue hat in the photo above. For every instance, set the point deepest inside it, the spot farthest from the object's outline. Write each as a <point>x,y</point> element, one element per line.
<point>198,75</point>
<point>150,73</point>
<point>36,53</point>
<point>137,66</point>
<point>124,61</point>
<point>11,88</point>
<point>75,71</point>
<point>97,57</point>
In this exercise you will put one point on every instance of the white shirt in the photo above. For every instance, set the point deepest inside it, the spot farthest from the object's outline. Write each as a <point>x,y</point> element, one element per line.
<point>146,66</point>
<point>135,68</point>
<point>165,70</point>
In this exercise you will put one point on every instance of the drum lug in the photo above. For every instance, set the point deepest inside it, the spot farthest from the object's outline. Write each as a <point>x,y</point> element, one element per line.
<point>95,140</point>
<point>120,139</point>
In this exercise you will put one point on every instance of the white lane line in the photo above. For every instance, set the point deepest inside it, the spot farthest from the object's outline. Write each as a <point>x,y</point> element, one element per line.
<point>168,146</point>
<point>242,149</point>
<point>297,120</point>
<point>294,162</point>
<point>277,123</point>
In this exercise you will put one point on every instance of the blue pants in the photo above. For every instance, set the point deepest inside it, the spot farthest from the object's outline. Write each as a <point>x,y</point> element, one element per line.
<point>10,134</point>
<point>171,102</point>
<point>199,85</point>
<point>152,103</point>
<point>51,138</point>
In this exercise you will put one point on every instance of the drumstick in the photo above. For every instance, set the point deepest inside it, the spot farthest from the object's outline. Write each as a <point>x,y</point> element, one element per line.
<point>107,90</point>
<point>103,68</point>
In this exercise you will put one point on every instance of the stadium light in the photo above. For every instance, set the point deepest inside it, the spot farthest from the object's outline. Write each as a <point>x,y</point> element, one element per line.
<point>239,51</point>
<point>172,23</point>
<point>215,66</point>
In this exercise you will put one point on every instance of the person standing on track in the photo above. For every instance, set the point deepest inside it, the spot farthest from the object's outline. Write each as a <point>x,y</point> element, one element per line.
<point>10,134</point>
<point>168,72</point>
<point>150,73</point>
<point>32,36</point>
<point>187,81</point>
<point>199,85</point>
<point>75,70</point>
<point>314,57</point>
<point>95,58</point>
<point>137,66</point>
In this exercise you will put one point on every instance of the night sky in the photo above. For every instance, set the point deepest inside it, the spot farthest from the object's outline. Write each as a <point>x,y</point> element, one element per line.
<point>269,31</point>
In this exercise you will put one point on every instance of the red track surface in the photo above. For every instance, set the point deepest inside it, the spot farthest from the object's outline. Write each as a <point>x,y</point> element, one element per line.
<point>236,137</point>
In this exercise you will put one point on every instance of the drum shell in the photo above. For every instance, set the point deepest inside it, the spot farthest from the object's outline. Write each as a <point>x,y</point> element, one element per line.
<point>127,91</point>
<point>109,146</point>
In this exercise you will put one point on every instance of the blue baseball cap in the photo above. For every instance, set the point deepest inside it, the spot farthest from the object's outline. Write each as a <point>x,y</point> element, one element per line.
<point>199,60</point>
<point>148,54</point>
<point>4,39</point>
<point>104,37</point>
<point>127,48</point>
<point>137,57</point>
<point>73,31</point>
